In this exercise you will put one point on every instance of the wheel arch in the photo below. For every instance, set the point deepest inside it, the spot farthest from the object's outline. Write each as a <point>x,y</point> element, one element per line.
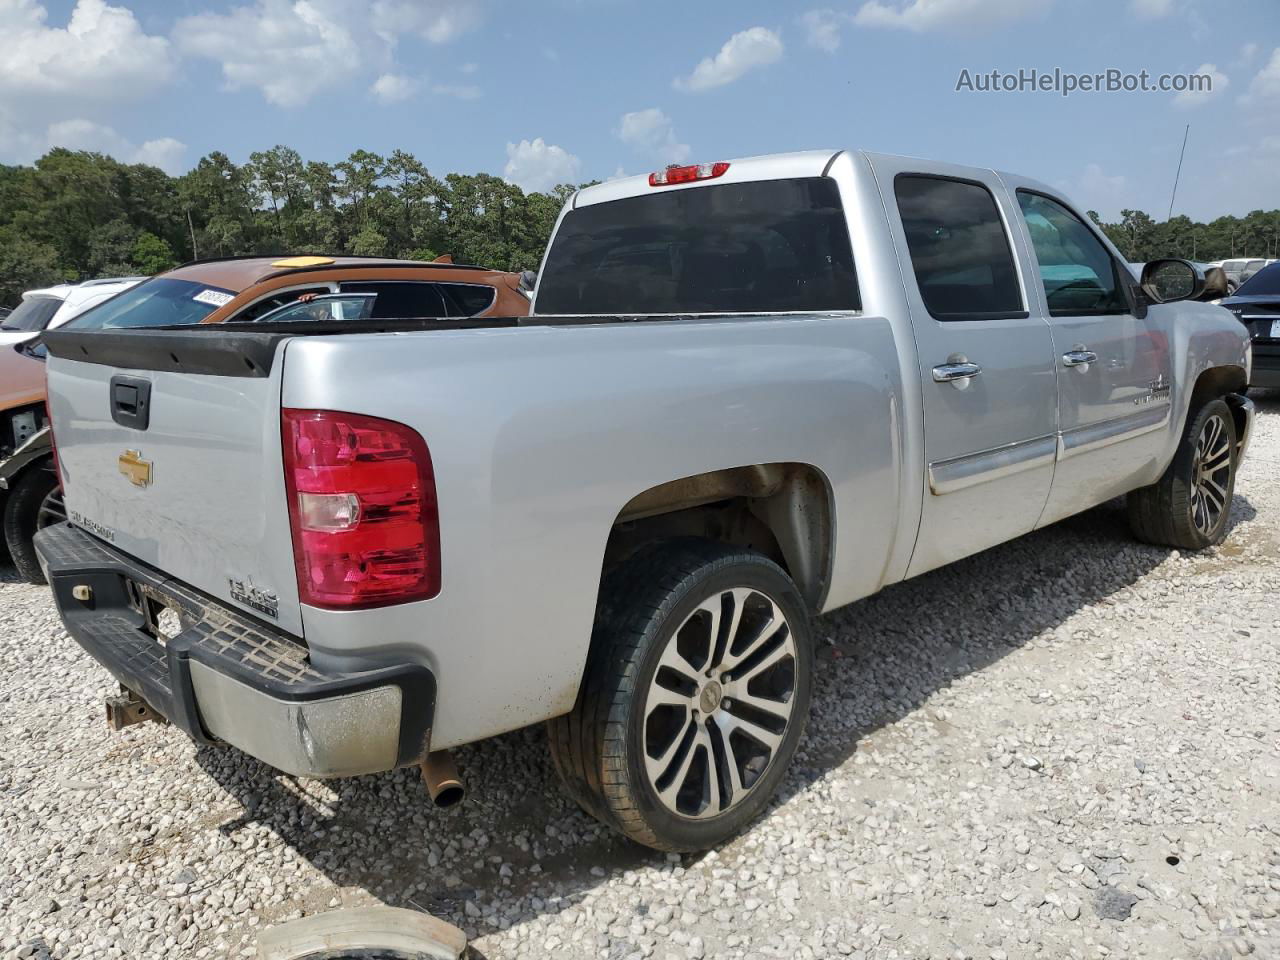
<point>784,510</point>
<point>1219,381</point>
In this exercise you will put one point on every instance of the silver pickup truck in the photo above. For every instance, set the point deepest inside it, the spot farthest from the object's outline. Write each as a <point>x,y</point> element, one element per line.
<point>749,392</point>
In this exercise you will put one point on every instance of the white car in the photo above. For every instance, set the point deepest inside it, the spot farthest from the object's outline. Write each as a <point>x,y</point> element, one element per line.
<point>54,306</point>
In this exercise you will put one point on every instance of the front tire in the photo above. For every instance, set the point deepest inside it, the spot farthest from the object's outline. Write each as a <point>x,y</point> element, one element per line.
<point>1190,505</point>
<point>695,697</point>
<point>34,502</point>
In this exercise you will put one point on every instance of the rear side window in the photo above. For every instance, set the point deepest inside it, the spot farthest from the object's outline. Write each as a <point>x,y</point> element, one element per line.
<point>468,299</point>
<point>760,247</point>
<point>402,300</point>
<point>32,314</point>
<point>275,301</point>
<point>959,248</point>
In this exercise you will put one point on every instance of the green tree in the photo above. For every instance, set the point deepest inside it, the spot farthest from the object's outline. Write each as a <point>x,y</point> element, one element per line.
<point>152,254</point>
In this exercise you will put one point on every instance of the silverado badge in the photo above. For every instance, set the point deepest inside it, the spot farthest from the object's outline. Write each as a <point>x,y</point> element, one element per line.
<point>135,468</point>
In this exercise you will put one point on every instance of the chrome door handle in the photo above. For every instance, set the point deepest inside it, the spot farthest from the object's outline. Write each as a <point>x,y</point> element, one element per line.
<point>1078,358</point>
<point>949,372</point>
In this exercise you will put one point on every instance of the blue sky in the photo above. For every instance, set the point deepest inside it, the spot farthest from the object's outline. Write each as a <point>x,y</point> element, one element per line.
<point>585,89</point>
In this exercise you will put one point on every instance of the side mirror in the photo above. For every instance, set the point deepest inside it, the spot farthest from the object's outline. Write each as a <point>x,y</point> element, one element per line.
<point>1167,281</point>
<point>528,280</point>
<point>1215,285</point>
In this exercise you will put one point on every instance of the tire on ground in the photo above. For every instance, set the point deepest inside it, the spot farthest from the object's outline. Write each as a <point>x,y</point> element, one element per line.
<point>1162,513</point>
<point>21,519</point>
<point>598,748</point>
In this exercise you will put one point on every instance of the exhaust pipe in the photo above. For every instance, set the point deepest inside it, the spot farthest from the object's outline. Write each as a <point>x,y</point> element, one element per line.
<point>444,786</point>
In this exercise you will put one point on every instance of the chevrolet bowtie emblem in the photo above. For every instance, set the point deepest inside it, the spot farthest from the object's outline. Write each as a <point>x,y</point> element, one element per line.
<point>135,468</point>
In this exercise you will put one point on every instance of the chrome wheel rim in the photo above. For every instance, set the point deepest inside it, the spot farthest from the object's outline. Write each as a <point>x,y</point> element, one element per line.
<point>719,704</point>
<point>1211,475</point>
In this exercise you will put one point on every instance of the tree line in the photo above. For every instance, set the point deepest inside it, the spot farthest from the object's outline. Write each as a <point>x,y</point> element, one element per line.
<point>79,215</point>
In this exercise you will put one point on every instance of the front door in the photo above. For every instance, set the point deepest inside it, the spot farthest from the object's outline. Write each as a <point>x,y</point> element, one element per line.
<point>1114,367</point>
<point>985,362</point>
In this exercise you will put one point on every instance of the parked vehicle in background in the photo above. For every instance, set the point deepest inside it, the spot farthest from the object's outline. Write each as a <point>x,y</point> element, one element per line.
<point>52,307</point>
<point>1240,270</point>
<point>29,497</point>
<point>1256,304</point>
<point>308,288</point>
<point>291,289</point>
<point>749,392</point>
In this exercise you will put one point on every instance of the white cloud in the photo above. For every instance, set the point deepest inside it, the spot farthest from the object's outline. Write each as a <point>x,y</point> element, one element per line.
<point>80,134</point>
<point>290,51</point>
<point>462,91</point>
<point>293,50</point>
<point>537,165</point>
<point>1194,98</point>
<point>437,21</point>
<point>651,132</point>
<point>393,87</point>
<point>922,15</point>
<point>165,153</point>
<point>1266,85</point>
<point>1151,9</point>
<point>745,51</point>
<point>101,54</point>
<point>1096,190</point>
<point>822,28</point>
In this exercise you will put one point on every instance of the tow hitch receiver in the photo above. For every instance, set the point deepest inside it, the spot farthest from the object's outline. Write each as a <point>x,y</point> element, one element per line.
<point>127,708</point>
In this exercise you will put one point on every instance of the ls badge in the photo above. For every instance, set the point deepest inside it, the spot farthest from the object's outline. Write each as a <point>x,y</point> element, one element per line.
<point>135,468</point>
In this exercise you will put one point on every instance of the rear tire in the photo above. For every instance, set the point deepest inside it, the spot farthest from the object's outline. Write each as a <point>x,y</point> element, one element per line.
<point>695,697</point>
<point>34,502</point>
<point>1190,505</point>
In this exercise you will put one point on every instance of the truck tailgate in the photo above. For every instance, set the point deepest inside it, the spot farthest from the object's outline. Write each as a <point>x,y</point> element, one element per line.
<point>180,467</point>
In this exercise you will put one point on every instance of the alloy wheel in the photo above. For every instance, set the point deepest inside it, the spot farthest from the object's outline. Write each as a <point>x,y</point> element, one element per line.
<point>719,703</point>
<point>1211,475</point>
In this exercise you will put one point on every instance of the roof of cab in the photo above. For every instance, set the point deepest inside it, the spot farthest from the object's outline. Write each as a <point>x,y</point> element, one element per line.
<point>239,273</point>
<point>774,166</point>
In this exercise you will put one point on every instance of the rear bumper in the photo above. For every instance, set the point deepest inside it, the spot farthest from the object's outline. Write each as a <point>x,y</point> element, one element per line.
<point>1266,365</point>
<point>224,676</point>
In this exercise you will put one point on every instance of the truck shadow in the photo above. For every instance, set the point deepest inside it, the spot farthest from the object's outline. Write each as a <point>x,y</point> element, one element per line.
<point>517,849</point>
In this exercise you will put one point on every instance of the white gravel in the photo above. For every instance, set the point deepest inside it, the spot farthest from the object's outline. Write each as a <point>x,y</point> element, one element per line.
<point>1066,747</point>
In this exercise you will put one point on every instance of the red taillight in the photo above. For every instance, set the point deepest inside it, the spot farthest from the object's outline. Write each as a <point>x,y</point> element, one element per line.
<point>694,171</point>
<point>362,505</point>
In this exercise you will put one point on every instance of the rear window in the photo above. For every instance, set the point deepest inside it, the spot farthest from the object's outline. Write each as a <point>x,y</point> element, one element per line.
<point>161,302</point>
<point>761,247</point>
<point>1264,283</point>
<point>32,314</point>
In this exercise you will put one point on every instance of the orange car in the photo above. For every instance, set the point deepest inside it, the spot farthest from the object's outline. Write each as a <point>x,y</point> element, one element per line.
<point>308,288</point>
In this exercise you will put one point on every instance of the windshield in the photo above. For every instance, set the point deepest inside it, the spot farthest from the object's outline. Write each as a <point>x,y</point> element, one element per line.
<point>161,302</point>
<point>1264,283</point>
<point>32,314</point>
<point>763,246</point>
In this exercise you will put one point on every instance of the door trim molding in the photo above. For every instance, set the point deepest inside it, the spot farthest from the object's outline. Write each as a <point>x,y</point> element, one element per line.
<point>1094,436</point>
<point>960,473</point>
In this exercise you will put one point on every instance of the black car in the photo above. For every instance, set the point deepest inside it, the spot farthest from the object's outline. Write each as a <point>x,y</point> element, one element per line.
<point>1256,304</point>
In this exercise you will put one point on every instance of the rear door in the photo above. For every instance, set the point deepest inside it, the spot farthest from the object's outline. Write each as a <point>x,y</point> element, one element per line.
<point>180,467</point>
<point>986,364</point>
<point>1114,367</point>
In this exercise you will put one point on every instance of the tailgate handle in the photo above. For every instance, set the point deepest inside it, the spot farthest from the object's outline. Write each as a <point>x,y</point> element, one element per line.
<point>131,402</point>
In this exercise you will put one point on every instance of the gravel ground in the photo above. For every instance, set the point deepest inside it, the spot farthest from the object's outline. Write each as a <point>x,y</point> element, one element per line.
<point>1068,746</point>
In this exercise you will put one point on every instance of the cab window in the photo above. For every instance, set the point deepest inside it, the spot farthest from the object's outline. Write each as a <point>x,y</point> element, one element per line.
<point>1079,274</point>
<point>960,251</point>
